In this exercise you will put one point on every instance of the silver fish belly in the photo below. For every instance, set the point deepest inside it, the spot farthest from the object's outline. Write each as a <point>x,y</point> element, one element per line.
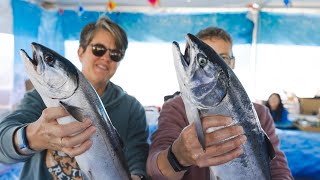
<point>60,83</point>
<point>209,87</point>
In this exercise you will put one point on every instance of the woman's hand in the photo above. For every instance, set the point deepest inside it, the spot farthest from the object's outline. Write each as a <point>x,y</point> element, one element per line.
<point>46,133</point>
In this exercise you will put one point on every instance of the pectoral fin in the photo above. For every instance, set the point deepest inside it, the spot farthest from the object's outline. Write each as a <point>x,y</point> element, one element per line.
<point>199,130</point>
<point>74,111</point>
<point>193,115</point>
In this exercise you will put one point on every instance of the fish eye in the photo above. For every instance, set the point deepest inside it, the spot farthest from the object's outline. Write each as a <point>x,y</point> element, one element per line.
<point>202,61</point>
<point>49,59</point>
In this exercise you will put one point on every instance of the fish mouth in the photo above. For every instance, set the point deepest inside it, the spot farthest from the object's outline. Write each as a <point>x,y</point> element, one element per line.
<point>185,59</point>
<point>32,60</point>
<point>186,56</point>
<point>186,53</point>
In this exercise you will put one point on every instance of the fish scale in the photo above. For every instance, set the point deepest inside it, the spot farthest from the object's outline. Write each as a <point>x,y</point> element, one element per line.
<point>60,83</point>
<point>212,88</point>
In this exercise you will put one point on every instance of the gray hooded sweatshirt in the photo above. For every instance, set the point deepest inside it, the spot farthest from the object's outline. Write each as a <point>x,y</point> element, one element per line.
<point>125,112</point>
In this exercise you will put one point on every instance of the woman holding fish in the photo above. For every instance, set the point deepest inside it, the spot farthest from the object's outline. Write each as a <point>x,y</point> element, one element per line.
<point>184,147</point>
<point>32,134</point>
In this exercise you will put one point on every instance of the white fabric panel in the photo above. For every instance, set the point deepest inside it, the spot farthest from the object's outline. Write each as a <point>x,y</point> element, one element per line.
<point>6,18</point>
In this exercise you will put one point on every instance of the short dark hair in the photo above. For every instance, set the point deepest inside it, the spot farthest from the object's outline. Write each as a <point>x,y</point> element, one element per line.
<point>214,32</point>
<point>119,35</point>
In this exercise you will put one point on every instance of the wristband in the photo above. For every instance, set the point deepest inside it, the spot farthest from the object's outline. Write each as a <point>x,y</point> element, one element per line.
<point>23,143</point>
<point>174,162</point>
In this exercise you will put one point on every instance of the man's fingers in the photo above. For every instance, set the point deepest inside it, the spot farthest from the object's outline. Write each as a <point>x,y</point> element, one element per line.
<point>53,113</point>
<point>222,134</point>
<point>224,147</point>
<point>216,121</point>
<point>224,158</point>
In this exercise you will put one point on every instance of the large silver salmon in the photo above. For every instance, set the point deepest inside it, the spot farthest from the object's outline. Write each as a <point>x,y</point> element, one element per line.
<point>60,83</point>
<point>209,87</point>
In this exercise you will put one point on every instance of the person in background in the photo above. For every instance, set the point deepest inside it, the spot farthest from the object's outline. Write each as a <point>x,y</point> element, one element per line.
<point>278,112</point>
<point>51,147</point>
<point>176,136</point>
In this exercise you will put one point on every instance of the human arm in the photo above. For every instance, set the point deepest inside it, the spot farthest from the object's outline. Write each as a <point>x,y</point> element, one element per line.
<point>173,129</point>
<point>137,146</point>
<point>47,133</point>
<point>279,165</point>
<point>29,111</point>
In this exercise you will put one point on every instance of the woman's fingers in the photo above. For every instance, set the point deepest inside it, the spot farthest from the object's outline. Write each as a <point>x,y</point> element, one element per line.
<point>46,133</point>
<point>62,130</point>
<point>75,151</point>
<point>71,141</point>
<point>53,113</point>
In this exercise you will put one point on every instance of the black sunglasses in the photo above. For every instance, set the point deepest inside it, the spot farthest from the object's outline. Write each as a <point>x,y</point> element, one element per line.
<point>99,50</point>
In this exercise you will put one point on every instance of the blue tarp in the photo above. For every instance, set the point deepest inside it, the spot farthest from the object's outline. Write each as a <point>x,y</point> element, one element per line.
<point>303,152</point>
<point>289,28</point>
<point>50,28</point>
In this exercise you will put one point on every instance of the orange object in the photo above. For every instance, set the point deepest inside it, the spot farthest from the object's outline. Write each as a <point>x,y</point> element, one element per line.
<point>111,5</point>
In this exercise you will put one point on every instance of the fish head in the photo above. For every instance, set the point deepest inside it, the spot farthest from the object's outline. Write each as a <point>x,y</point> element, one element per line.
<point>202,74</point>
<point>51,74</point>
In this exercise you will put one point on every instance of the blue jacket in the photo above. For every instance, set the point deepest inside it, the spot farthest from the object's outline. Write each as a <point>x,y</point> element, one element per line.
<point>284,115</point>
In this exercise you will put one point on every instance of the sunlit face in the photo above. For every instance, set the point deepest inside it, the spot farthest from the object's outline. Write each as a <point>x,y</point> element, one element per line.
<point>222,47</point>
<point>274,101</point>
<point>98,70</point>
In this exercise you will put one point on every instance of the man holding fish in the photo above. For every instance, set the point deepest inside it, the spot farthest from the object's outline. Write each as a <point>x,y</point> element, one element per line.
<point>184,147</point>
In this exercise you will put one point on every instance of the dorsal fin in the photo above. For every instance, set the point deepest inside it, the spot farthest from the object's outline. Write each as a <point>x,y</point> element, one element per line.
<point>271,151</point>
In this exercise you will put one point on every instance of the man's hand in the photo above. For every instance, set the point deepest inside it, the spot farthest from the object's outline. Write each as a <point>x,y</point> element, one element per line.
<point>46,133</point>
<point>188,150</point>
